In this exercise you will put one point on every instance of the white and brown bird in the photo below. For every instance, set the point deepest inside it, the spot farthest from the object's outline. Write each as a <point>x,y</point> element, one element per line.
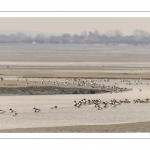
<point>54,107</point>
<point>11,110</point>
<point>140,90</point>
<point>15,114</point>
<point>2,111</point>
<point>36,109</point>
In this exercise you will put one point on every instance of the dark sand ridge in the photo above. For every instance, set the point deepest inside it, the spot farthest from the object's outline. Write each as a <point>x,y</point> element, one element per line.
<point>48,90</point>
<point>111,128</point>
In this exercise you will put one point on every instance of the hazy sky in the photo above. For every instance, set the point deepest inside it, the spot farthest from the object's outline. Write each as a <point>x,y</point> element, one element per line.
<point>75,25</point>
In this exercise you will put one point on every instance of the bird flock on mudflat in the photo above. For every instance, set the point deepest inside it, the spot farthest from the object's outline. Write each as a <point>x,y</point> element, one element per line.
<point>90,83</point>
<point>10,111</point>
<point>93,83</point>
<point>99,104</point>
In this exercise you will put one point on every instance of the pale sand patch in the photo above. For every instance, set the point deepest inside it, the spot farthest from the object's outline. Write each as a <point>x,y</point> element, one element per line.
<point>77,74</point>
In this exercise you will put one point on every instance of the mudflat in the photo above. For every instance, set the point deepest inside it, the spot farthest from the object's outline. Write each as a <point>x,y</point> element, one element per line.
<point>124,69</point>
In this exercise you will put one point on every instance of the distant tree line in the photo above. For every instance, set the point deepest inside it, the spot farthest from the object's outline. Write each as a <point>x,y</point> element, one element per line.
<point>111,37</point>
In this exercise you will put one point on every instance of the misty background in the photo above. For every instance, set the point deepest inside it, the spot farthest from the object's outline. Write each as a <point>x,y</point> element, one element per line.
<point>86,37</point>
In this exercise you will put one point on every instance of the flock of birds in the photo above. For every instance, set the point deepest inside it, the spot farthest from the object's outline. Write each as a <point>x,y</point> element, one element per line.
<point>10,110</point>
<point>93,83</point>
<point>99,104</point>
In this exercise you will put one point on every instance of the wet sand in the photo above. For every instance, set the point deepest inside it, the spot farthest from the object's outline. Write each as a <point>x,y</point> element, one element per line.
<point>139,127</point>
